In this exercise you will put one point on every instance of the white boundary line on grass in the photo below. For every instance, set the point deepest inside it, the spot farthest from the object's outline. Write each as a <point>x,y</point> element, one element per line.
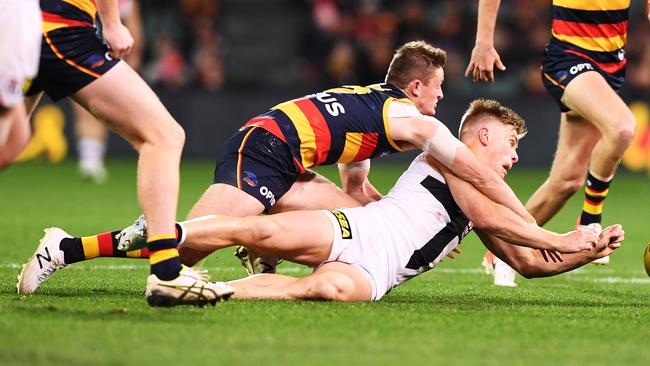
<point>577,275</point>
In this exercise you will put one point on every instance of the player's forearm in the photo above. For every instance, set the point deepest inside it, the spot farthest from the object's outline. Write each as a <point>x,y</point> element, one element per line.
<point>487,18</point>
<point>109,12</point>
<point>529,262</point>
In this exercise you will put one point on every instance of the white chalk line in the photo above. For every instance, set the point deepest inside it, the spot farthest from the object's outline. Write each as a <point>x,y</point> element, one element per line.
<point>576,275</point>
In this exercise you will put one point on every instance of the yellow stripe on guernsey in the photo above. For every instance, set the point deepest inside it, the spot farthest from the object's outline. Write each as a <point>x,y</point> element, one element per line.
<point>599,44</point>
<point>305,132</point>
<point>86,6</point>
<point>593,4</point>
<point>389,137</point>
<point>351,147</point>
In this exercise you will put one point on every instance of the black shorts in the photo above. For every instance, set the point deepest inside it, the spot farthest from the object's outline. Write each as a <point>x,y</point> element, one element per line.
<point>560,67</point>
<point>258,163</point>
<point>71,58</point>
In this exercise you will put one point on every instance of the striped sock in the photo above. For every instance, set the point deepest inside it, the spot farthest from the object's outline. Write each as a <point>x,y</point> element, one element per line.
<point>164,260</point>
<point>100,245</point>
<point>595,193</point>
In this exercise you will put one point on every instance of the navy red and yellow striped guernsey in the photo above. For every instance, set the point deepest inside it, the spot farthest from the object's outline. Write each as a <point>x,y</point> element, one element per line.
<point>339,125</point>
<point>67,13</point>
<point>593,29</point>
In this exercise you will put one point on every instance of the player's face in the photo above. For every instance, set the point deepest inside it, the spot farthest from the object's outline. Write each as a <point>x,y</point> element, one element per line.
<point>502,148</point>
<point>430,93</point>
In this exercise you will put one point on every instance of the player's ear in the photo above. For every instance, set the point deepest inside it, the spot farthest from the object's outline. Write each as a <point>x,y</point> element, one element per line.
<point>484,136</point>
<point>415,86</point>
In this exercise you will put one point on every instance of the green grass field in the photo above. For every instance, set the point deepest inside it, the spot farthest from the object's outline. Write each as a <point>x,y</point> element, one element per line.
<point>94,313</point>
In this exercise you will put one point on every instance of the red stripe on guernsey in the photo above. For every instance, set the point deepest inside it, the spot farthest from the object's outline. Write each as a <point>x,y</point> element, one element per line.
<point>54,18</point>
<point>320,128</point>
<point>609,67</point>
<point>589,30</point>
<point>268,124</point>
<point>105,245</point>
<point>368,145</point>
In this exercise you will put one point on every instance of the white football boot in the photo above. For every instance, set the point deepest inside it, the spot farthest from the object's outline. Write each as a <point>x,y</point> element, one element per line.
<point>503,274</point>
<point>133,237</point>
<point>597,228</point>
<point>191,287</point>
<point>255,264</point>
<point>47,258</point>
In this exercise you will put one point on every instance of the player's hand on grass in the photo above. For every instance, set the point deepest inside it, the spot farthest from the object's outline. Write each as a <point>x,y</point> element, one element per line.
<point>483,60</point>
<point>119,39</point>
<point>610,239</point>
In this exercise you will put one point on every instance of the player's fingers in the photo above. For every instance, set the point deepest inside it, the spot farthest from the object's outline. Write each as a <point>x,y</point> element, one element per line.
<point>557,256</point>
<point>475,74</point>
<point>544,255</point>
<point>500,64</point>
<point>469,69</point>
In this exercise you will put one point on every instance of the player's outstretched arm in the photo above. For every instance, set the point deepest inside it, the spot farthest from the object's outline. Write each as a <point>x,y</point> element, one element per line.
<point>502,223</point>
<point>354,179</point>
<point>484,56</point>
<point>116,34</point>
<point>531,263</point>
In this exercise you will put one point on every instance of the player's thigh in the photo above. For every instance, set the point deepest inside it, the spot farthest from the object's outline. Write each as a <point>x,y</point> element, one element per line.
<point>14,133</point>
<point>341,282</point>
<point>576,141</point>
<point>31,102</point>
<point>224,199</point>
<point>87,126</point>
<point>127,104</point>
<point>298,236</point>
<point>313,191</point>
<point>589,95</point>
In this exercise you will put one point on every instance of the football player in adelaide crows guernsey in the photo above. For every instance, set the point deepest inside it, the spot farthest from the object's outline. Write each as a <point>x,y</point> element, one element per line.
<point>583,69</point>
<point>75,62</point>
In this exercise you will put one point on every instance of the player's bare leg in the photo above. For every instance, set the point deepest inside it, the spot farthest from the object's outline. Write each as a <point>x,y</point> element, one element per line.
<point>123,100</point>
<point>577,138</point>
<point>332,281</point>
<point>310,191</point>
<point>303,237</point>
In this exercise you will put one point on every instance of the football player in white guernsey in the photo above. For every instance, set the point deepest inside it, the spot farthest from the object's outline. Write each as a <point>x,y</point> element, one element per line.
<point>362,253</point>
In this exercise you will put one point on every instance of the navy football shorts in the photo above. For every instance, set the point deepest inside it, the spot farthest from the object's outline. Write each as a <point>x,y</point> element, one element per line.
<point>258,163</point>
<point>560,67</point>
<point>71,58</point>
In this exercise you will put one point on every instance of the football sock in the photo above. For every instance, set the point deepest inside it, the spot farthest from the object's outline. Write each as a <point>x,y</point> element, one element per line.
<point>595,193</point>
<point>164,260</point>
<point>100,245</point>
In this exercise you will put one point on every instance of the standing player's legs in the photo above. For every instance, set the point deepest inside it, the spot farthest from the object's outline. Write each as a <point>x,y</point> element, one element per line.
<point>122,100</point>
<point>594,140</point>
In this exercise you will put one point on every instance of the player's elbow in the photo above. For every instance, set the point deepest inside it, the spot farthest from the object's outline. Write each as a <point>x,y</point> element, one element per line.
<point>527,266</point>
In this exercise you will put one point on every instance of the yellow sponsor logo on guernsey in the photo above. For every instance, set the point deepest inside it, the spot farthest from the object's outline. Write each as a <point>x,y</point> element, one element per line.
<point>344,224</point>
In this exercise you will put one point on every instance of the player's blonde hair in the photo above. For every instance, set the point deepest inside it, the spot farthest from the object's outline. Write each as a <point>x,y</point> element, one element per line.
<point>414,60</point>
<point>488,107</point>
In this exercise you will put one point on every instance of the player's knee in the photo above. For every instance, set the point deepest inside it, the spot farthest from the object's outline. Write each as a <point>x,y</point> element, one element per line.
<point>263,232</point>
<point>333,287</point>
<point>568,185</point>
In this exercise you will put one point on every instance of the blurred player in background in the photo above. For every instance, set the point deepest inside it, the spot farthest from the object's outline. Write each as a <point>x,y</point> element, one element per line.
<point>583,68</point>
<point>20,46</point>
<point>76,63</point>
<point>92,135</point>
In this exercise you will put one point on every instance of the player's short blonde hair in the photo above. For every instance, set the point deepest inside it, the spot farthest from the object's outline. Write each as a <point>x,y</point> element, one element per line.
<point>414,60</point>
<point>479,108</point>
